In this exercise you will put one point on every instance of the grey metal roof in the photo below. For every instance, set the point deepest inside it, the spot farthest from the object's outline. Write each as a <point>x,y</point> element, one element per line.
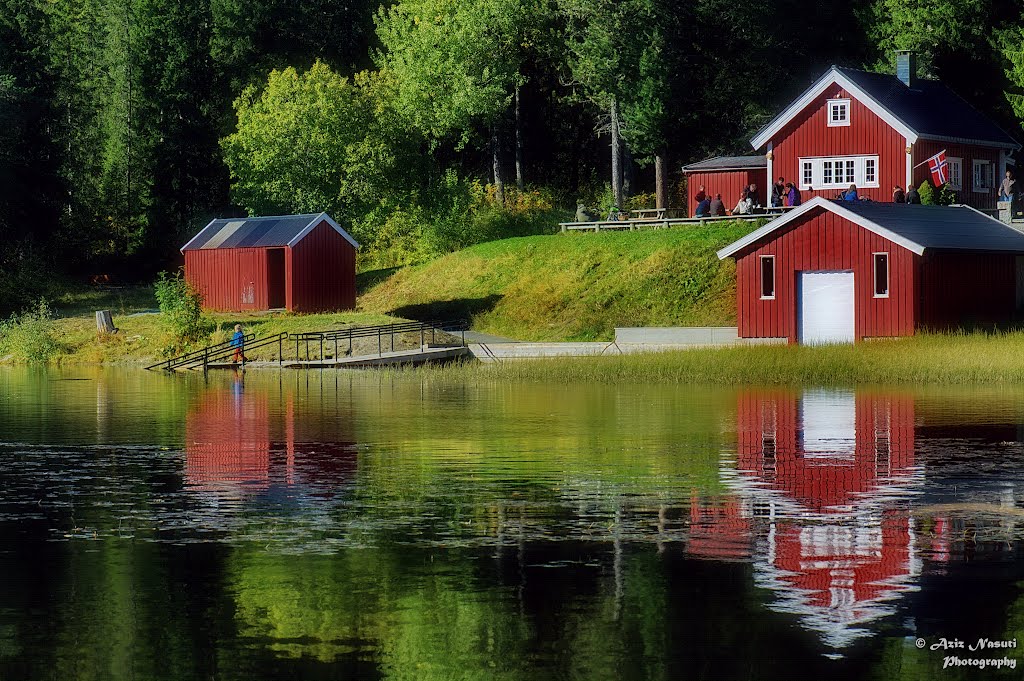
<point>915,227</point>
<point>930,108</point>
<point>260,232</point>
<point>947,228</point>
<point>729,163</point>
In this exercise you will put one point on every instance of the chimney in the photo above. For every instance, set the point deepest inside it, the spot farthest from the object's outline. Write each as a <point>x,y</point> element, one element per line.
<point>906,67</point>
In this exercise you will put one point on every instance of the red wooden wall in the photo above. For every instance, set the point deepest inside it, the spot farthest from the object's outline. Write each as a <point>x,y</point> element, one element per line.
<point>819,241</point>
<point>808,135</point>
<point>230,279</point>
<point>925,149</point>
<point>320,275</point>
<point>321,270</point>
<point>728,183</point>
<point>959,289</point>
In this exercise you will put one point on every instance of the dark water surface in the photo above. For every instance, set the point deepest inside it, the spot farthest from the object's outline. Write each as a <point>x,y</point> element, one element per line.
<point>340,525</point>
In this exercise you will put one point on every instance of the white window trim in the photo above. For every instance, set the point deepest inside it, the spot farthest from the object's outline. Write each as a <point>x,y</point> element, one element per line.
<point>817,173</point>
<point>845,122</point>
<point>874,275</point>
<point>974,174</point>
<point>959,162</point>
<point>760,277</point>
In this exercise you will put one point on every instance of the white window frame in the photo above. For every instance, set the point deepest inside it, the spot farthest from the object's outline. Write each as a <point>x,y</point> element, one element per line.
<point>806,173</point>
<point>760,276</point>
<point>874,274</point>
<point>956,173</point>
<point>840,106</point>
<point>842,181</point>
<point>986,175</point>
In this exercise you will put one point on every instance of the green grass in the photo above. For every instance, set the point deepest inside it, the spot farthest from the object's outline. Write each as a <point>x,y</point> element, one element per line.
<point>576,286</point>
<point>960,358</point>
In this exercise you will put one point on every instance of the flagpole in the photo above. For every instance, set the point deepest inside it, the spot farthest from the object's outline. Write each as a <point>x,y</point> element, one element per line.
<point>928,159</point>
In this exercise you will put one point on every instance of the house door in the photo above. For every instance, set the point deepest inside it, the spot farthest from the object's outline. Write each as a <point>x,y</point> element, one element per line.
<point>275,279</point>
<point>825,313</point>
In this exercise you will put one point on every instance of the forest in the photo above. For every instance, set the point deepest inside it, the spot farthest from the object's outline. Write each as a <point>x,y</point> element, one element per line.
<point>422,126</point>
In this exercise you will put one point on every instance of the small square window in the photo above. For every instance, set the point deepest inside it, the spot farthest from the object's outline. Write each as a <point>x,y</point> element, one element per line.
<point>767,277</point>
<point>838,112</point>
<point>881,275</point>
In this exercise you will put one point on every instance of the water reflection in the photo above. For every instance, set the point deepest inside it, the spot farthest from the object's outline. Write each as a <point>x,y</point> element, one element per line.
<point>238,446</point>
<point>332,525</point>
<point>827,476</point>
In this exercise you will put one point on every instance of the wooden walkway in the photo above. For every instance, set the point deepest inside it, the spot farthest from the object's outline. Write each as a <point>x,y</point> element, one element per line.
<point>657,223</point>
<point>412,357</point>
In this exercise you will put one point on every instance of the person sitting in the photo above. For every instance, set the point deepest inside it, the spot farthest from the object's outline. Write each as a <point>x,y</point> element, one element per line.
<point>703,208</point>
<point>717,207</point>
<point>583,214</point>
<point>792,195</point>
<point>779,190</point>
<point>755,200</point>
<point>851,194</point>
<point>913,196</point>
<point>745,206</point>
<point>897,195</point>
<point>700,195</point>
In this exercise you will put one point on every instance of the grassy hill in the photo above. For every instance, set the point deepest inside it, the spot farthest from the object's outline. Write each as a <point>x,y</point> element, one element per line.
<point>576,286</point>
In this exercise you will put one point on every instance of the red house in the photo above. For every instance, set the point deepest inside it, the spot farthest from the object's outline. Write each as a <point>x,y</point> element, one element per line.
<point>839,271</point>
<point>725,175</point>
<point>875,130</point>
<point>302,263</point>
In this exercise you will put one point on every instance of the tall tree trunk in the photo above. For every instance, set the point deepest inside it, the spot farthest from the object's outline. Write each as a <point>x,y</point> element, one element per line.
<point>660,181</point>
<point>627,171</point>
<point>519,145</point>
<point>616,157</point>
<point>499,181</point>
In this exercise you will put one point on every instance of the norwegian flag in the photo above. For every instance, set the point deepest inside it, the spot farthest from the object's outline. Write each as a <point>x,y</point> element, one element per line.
<point>940,169</point>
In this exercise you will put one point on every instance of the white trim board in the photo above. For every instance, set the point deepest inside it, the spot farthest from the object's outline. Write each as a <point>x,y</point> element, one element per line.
<point>323,217</point>
<point>826,204</point>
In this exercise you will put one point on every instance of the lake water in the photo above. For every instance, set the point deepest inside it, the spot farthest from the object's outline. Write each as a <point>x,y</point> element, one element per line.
<point>344,525</point>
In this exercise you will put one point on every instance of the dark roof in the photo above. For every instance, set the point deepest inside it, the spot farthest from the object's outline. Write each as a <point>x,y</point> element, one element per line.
<point>917,228</point>
<point>729,163</point>
<point>929,108</point>
<point>260,232</point>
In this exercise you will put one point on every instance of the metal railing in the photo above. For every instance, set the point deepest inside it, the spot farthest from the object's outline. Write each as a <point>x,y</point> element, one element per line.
<point>341,340</point>
<point>219,352</point>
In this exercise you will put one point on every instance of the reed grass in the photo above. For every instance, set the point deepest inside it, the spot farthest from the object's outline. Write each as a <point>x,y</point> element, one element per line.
<point>934,358</point>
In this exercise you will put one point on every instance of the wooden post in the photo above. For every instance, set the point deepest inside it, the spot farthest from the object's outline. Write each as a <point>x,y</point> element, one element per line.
<point>104,322</point>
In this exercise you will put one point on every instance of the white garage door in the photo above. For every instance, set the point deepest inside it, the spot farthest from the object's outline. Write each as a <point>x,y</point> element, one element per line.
<point>826,307</point>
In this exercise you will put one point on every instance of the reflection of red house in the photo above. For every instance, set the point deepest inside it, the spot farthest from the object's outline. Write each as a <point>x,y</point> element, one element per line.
<point>237,445</point>
<point>826,470</point>
<point>718,530</point>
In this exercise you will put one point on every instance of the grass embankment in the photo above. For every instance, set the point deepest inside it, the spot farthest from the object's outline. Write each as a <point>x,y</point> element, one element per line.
<point>576,286</point>
<point>925,359</point>
<point>142,335</point>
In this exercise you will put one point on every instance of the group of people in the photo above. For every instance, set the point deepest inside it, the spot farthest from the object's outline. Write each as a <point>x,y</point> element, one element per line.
<point>783,194</point>
<point>909,196</point>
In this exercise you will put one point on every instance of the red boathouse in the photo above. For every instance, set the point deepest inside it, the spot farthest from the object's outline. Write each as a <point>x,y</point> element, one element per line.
<point>302,263</point>
<point>837,272</point>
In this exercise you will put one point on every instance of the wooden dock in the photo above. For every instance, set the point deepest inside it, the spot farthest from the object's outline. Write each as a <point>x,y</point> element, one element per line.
<point>412,357</point>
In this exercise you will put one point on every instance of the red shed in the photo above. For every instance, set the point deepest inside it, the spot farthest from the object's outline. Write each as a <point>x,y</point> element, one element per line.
<point>876,130</point>
<point>725,175</point>
<point>303,263</point>
<point>835,272</point>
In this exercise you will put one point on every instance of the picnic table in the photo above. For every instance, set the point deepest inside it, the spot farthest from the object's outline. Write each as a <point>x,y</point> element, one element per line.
<point>656,213</point>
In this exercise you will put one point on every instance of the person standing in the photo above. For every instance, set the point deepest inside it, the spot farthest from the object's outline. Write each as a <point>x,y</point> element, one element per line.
<point>1008,187</point>
<point>779,190</point>
<point>792,195</point>
<point>238,343</point>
